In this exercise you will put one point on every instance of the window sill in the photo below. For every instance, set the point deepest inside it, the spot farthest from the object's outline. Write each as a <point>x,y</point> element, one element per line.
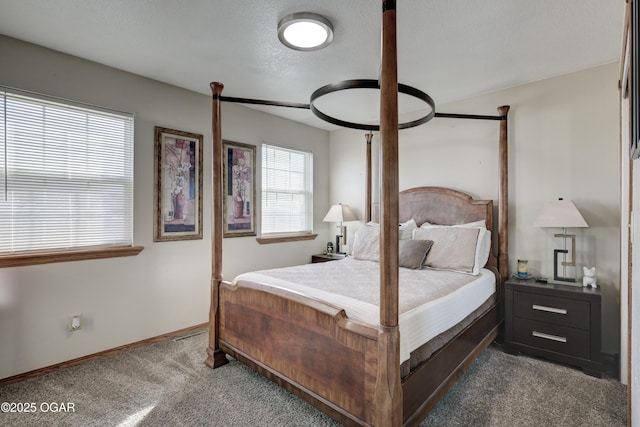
<point>285,239</point>
<point>35,258</point>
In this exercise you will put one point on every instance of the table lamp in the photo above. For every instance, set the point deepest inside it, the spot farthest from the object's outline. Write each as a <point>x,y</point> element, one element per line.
<point>563,214</point>
<point>340,213</point>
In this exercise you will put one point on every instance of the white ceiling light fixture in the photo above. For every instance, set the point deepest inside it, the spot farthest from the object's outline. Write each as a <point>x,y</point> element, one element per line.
<point>305,31</point>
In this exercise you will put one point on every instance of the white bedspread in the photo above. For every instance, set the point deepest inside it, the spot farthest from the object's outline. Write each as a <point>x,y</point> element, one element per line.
<point>431,301</point>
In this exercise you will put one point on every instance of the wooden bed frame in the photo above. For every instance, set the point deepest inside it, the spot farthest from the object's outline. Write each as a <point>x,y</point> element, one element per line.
<point>345,368</point>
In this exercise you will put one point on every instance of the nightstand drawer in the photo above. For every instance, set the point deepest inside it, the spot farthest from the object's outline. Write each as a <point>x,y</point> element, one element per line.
<point>557,338</point>
<point>552,309</point>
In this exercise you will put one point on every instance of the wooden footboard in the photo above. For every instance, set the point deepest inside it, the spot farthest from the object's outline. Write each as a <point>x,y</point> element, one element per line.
<point>430,381</point>
<point>315,351</point>
<point>309,347</point>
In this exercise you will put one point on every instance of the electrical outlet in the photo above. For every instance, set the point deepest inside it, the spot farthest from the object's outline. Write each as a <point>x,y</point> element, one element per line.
<point>75,322</point>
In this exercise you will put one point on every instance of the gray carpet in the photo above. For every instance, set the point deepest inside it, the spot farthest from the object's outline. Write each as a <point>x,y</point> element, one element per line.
<point>167,384</point>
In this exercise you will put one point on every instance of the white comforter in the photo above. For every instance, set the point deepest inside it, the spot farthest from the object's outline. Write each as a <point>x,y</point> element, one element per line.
<point>431,301</point>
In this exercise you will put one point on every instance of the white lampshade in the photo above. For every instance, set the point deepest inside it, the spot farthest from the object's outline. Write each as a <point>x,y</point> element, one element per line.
<point>340,213</point>
<point>560,213</point>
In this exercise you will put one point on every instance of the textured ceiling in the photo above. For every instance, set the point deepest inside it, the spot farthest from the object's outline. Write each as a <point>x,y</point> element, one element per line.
<point>452,49</point>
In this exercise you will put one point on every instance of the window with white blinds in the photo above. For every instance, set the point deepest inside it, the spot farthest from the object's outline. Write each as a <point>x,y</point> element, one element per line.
<point>66,175</point>
<point>287,191</point>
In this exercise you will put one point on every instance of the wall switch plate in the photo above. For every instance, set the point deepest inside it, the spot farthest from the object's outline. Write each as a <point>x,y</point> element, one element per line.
<point>74,322</point>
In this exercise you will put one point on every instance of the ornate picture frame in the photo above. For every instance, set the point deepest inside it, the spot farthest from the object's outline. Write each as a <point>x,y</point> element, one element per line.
<point>239,189</point>
<point>177,185</point>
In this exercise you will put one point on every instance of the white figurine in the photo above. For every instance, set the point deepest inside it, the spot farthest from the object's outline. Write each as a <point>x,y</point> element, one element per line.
<point>589,278</point>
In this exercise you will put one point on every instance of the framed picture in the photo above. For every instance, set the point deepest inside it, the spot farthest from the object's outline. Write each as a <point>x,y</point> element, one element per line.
<point>177,185</point>
<point>239,187</point>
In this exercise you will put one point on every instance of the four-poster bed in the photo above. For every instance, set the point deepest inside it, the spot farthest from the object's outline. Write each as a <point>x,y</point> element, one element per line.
<point>347,368</point>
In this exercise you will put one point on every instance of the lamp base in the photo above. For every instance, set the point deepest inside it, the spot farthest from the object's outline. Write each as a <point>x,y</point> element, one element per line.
<point>341,239</point>
<point>339,245</point>
<point>556,252</point>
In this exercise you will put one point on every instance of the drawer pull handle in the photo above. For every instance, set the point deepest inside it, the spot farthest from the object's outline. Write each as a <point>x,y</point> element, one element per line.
<point>548,336</point>
<point>549,309</point>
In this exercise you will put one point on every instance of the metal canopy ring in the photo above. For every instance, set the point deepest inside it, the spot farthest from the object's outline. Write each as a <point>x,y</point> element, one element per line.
<point>369,84</point>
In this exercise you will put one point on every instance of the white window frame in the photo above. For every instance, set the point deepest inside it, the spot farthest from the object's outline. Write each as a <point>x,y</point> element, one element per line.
<point>58,179</point>
<point>305,232</point>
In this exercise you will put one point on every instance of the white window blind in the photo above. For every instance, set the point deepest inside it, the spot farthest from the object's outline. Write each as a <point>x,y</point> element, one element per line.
<point>287,190</point>
<point>67,175</point>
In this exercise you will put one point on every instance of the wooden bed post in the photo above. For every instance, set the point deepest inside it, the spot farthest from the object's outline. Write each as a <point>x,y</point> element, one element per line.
<point>388,395</point>
<point>215,357</point>
<point>503,197</point>
<point>367,178</point>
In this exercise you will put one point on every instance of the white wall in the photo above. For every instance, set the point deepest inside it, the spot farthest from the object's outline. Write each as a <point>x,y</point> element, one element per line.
<point>563,142</point>
<point>166,287</point>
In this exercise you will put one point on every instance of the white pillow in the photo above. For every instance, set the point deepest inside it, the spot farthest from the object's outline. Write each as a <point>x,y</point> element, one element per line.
<point>406,229</point>
<point>483,244</point>
<point>479,224</point>
<point>366,243</point>
<point>483,249</point>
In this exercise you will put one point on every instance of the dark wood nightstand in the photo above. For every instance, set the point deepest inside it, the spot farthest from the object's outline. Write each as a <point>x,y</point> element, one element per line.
<point>326,257</point>
<point>555,321</point>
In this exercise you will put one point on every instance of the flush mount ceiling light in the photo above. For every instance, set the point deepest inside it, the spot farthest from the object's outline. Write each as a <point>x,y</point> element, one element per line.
<point>305,31</point>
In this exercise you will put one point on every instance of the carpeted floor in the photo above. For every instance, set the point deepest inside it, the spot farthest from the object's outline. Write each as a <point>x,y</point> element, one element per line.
<point>167,384</point>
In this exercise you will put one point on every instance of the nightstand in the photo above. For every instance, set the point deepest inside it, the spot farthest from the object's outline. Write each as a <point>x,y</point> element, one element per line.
<point>326,257</point>
<point>554,321</point>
